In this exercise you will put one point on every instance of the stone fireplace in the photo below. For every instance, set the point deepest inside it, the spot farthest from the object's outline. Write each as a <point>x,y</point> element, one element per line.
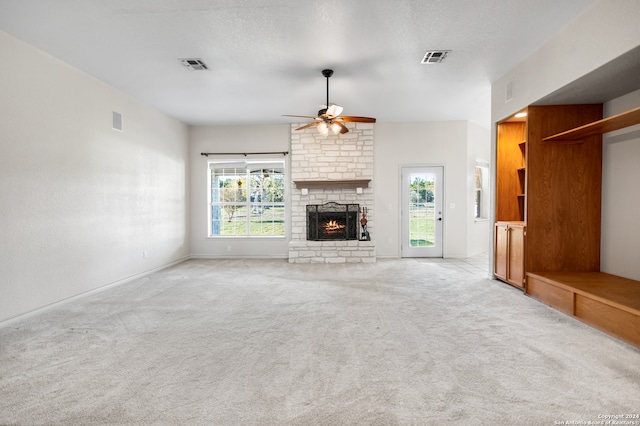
<point>327,173</point>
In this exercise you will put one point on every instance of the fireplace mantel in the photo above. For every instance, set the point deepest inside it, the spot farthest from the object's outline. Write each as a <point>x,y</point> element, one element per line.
<point>332,184</point>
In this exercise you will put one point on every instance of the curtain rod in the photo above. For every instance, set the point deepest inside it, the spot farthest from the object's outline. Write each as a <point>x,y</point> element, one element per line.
<point>206,154</point>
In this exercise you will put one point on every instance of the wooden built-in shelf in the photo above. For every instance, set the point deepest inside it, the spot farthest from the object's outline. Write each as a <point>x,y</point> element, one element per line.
<point>332,184</point>
<point>523,148</point>
<point>609,124</point>
<point>608,302</point>
<point>524,173</point>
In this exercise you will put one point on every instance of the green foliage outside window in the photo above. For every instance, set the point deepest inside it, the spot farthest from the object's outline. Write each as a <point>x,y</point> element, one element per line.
<point>421,212</point>
<point>247,201</point>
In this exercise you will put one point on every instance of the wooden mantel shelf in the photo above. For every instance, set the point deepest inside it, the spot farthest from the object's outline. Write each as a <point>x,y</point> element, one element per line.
<point>609,124</point>
<point>332,184</point>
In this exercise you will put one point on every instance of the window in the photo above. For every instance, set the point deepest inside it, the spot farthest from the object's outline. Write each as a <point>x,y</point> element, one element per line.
<point>481,190</point>
<point>247,199</point>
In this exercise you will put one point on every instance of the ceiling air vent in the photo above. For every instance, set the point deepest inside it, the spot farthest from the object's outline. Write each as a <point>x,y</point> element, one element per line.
<point>195,64</point>
<point>434,56</point>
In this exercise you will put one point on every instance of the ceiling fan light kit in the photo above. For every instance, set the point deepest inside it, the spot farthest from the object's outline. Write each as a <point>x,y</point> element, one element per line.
<point>329,118</point>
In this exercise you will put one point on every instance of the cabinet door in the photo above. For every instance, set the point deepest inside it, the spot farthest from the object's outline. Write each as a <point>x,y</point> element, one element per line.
<point>500,254</point>
<point>515,255</point>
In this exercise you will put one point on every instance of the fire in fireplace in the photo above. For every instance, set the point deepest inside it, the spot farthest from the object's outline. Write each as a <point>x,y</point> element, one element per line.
<point>332,221</point>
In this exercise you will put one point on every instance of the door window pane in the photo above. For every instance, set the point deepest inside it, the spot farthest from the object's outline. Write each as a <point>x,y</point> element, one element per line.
<point>421,210</point>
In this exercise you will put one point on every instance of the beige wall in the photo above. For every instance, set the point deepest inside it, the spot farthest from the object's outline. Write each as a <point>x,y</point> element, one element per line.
<point>81,204</point>
<point>601,34</point>
<point>230,139</point>
<point>479,232</point>
<point>434,143</point>
<point>395,144</point>
<point>620,247</point>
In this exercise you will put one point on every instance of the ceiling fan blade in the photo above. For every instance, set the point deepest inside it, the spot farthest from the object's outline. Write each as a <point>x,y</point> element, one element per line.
<point>343,128</point>
<point>355,119</point>
<point>299,116</point>
<point>306,126</point>
<point>329,115</point>
<point>334,110</point>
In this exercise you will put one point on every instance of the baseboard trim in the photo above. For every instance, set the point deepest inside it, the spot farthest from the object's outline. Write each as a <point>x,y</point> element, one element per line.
<point>227,257</point>
<point>38,311</point>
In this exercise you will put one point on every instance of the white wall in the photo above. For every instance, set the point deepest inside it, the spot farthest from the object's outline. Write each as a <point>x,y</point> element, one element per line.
<point>620,241</point>
<point>479,232</point>
<point>430,143</point>
<point>257,138</point>
<point>80,202</point>
<point>605,31</point>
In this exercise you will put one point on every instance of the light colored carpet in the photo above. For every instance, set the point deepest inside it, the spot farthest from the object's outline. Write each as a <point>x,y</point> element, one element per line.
<point>265,342</point>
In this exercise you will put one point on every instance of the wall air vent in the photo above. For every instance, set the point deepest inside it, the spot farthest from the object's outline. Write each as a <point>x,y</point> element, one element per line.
<point>117,121</point>
<point>195,64</point>
<point>434,56</point>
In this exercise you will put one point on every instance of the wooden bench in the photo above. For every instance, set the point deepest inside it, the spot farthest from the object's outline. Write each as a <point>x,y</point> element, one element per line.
<point>604,301</point>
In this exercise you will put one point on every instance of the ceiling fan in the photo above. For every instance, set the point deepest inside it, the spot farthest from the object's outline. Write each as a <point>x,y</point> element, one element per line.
<point>329,118</point>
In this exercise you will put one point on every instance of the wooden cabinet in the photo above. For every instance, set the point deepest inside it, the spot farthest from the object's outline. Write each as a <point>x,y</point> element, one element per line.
<point>500,249</point>
<point>511,201</point>
<point>549,183</point>
<point>509,252</point>
<point>515,265</point>
<point>564,187</point>
<point>554,188</point>
<point>551,189</point>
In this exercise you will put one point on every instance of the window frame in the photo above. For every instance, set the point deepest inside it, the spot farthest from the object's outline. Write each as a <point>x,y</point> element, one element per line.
<point>248,167</point>
<point>481,193</point>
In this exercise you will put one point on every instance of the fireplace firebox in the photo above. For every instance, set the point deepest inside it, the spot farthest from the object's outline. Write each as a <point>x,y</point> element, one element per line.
<point>332,221</point>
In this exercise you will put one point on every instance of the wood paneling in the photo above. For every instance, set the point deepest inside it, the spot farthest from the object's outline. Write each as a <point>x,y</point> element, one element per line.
<point>607,302</point>
<point>619,323</point>
<point>564,184</point>
<point>550,294</point>
<point>509,160</point>
<point>609,124</point>
<point>509,252</point>
<point>500,252</point>
<point>620,292</point>
<point>515,274</point>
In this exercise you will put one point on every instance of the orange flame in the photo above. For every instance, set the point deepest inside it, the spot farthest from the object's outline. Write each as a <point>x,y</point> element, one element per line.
<point>333,225</point>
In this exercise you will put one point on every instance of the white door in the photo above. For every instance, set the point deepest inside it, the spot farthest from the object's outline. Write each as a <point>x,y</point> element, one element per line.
<point>422,211</point>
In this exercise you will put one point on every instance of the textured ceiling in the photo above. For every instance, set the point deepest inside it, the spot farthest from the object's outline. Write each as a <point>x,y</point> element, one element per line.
<point>611,80</point>
<point>265,56</point>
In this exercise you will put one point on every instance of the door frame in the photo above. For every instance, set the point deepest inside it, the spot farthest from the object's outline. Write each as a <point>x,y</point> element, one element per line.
<point>400,205</point>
